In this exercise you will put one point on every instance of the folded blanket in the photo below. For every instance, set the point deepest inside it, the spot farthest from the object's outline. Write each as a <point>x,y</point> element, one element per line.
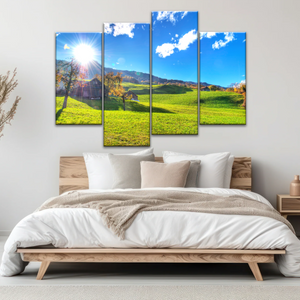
<point>119,209</point>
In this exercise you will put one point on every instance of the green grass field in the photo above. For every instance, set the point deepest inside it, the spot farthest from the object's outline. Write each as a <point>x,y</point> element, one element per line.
<point>174,111</point>
<point>78,112</point>
<point>221,108</point>
<point>129,127</point>
<point>126,128</point>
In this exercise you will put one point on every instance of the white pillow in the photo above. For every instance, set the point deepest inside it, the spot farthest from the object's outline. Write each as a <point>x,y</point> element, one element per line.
<point>100,171</point>
<point>212,168</point>
<point>228,172</point>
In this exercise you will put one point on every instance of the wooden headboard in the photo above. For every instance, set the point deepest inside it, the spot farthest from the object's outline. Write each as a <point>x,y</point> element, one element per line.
<point>73,174</point>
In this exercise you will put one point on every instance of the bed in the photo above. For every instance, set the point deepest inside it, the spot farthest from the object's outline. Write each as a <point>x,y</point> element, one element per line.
<point>243,248</point>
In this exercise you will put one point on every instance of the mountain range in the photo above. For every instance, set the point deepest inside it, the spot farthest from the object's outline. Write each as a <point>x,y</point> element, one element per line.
<point>95,68</point>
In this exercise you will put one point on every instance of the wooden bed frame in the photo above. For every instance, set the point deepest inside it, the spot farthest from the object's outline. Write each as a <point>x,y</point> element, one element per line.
<point>73,176</point>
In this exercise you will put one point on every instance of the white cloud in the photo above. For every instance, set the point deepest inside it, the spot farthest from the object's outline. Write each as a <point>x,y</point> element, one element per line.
<point>243,75</point>
<point>218,44</point>
<point>58,34</point>
<point>207,35</point>
<point>66,47</point>
<point>176,35</point>
<point>119,29</point>
<point>170,15</point>
<point>107,28</point>
<point>124,28</point>
<point>184,42</point>
<point>228,37</point>
<point>184,14</point>
<point>165,50</point>
<point>244,40</point>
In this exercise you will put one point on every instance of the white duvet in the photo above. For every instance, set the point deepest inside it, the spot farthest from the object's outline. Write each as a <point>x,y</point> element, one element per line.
<point>82,227</point>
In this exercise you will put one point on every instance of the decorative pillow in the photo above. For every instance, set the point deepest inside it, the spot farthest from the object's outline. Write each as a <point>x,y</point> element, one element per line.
<point>228,172</point>
<point>127,170</point>
<point>193,175</point>
<point>99,169</point>
<point>164,175</point>
<point>212,170</point>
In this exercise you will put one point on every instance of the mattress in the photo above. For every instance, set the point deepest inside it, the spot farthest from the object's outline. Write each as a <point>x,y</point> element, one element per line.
<point>84,228</point>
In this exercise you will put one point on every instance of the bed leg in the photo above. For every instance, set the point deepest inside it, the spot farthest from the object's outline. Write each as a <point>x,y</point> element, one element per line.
<point>43,268</point>
<point>255,270</point>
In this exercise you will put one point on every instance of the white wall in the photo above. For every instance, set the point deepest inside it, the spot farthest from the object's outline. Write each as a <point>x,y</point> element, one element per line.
<point>31,147</point>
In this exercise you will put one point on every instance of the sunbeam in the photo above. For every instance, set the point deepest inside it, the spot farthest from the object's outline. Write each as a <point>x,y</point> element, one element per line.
<point>84,53</point>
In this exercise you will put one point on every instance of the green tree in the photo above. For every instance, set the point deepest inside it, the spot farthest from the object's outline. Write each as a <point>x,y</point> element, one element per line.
<point>58,78</point>
<point>214,88</point>
<point>71,74</point>
<point>114,86</point>
<point>243,92</point>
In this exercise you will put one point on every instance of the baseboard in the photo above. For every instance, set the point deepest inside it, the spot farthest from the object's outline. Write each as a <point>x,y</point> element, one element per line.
<point>4,232</point>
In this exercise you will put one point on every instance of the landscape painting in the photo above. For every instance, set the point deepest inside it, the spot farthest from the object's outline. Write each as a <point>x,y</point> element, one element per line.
<point>174,73</point>
<point>126,84</point>
<point>78,78</point>
<point>223,78</point>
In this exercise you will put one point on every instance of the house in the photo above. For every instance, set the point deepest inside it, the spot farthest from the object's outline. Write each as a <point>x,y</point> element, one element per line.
<point>204,89</point>
<point>90,90</point>
<point>131,96</point>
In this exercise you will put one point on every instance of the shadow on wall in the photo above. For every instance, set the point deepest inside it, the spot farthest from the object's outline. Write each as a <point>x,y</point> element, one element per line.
<point>261,171</point>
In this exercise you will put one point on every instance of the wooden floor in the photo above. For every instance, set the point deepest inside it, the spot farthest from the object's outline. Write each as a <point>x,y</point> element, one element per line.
<point>251,257</point>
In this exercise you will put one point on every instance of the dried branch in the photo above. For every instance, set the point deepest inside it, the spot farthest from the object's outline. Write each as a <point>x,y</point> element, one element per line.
<point>6,87</point>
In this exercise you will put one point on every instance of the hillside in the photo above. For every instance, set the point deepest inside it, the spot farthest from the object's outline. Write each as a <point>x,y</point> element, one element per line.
<point>217,108</point>
<point>78,112</point>
<point>95,68</point>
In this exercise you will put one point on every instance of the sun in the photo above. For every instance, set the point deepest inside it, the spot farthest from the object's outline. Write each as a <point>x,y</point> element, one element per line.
<point>84,53</point>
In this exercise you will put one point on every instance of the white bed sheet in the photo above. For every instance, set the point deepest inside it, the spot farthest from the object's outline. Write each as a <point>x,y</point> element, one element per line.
<point>81,227</point>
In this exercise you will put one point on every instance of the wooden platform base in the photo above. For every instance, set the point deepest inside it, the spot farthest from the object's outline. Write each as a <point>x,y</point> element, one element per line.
<point>252,257</point>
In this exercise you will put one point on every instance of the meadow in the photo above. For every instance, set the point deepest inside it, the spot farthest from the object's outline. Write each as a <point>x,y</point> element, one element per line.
<point>78,112</point>
<point>174,111</point>
<point>219,108</point>
<point>132,126</point>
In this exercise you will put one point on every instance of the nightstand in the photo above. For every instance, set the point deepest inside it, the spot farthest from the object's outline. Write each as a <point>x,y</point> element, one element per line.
<point>288,205</point>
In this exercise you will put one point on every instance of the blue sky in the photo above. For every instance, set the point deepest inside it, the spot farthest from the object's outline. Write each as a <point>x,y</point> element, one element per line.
<point>66,43</point>
<point>222,57</point>
<point>175,45</point>
<point>127,46</point>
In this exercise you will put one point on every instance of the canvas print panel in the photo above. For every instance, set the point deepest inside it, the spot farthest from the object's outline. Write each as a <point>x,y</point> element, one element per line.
<point>223,78</point>
<point>126,84</point>
<point>174,72</point>
<point>78,78</point>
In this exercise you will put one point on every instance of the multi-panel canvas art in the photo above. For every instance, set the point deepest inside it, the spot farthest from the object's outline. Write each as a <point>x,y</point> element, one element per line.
<point>126,84</point>
<point>124,79</point>
<point>223,78</point>
<point>174,72</point>
<point>78,78</point>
